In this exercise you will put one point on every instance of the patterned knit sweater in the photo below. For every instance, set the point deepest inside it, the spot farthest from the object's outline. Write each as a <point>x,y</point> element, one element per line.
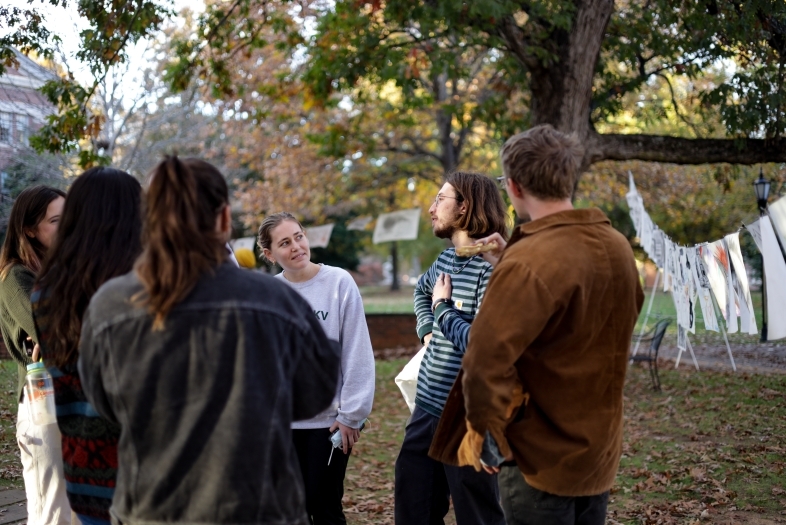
<point>89,441</point>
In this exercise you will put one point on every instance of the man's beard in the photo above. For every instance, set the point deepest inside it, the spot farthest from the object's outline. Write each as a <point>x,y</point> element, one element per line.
<point>446,231</point>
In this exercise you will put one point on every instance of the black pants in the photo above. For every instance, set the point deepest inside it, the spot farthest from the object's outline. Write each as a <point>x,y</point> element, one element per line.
<point>424,486</point>
<point>324,483</point>
<point>526,505</point>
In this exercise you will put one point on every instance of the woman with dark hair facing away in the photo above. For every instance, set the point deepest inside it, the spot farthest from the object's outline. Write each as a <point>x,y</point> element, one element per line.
<point>335,300</point>
<point>98,239</point>
<point>31,230</point>
<point>204,366</point>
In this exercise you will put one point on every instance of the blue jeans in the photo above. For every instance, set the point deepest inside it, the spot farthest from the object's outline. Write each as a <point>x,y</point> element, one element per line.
<point>424,486</point>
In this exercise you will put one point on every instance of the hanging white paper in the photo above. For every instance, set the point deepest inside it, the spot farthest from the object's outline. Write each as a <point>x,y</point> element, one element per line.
<point>397,226</point>
<point>721,253</point>
<point>755,231</point>
<point>740,274</point>
<point>777,213</point>
<point>775,277</point>
<point>657,247</point>
<point>319,236</point>
<point>360,223</point>
<point>635,204</point>
<point>688,289</point>
<point>703,291</point>
<point>715,275</point>
<point>646,233</point>
<point>668,264</point>
<point>682,338</point>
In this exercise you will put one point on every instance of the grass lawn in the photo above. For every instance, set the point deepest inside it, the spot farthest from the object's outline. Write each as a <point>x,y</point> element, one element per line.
<point>10,464</point>
<point>380,300</point>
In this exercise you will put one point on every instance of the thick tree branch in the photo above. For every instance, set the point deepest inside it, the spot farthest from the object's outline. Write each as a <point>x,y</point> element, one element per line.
<point>516,41</point>
<point>657,148</point>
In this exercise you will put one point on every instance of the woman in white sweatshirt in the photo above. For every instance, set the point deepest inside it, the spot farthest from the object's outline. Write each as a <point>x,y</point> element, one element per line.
<point>335,299</point>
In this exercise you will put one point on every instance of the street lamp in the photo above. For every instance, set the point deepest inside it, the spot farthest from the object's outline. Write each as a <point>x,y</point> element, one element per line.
<point>762,188</point>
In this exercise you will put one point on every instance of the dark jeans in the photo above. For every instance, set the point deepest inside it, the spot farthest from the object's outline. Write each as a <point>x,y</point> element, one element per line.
<point>525,505</point>
<point>324,483</point>
<point>424,486</point>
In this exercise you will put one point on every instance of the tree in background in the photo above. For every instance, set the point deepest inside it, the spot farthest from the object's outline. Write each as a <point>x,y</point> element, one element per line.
<point>576,60</point>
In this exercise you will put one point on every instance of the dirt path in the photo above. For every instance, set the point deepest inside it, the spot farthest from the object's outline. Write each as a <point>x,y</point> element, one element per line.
<point>758,358</point>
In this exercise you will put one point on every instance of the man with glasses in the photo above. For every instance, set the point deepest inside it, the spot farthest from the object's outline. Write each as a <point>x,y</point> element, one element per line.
<point>543,374</point>
<point>447,297</point>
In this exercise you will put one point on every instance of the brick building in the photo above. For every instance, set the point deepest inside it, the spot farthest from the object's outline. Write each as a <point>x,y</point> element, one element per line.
<point>23,109</point>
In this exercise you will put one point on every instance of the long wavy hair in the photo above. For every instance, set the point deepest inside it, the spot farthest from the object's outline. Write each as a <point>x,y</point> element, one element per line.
<point>29,209</point>
<point>98,239</point>
<point>485,207</point>
<point>179,236</point>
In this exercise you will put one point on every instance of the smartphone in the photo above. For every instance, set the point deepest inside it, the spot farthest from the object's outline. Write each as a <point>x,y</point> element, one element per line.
<point>490,454</point>
<point>29,346</point>
<point>335,437</point>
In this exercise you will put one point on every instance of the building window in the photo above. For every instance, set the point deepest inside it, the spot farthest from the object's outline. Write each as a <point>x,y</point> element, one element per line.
<point>6,123</point>
<point>22,129</point>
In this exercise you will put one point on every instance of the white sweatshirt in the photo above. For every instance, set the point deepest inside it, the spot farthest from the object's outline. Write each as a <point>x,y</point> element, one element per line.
<point>335,299</point>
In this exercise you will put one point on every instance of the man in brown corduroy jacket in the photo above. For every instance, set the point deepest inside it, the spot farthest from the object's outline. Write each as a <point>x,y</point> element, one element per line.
<point>543,374</point>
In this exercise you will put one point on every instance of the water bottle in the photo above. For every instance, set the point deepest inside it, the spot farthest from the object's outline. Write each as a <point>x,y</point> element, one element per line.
<point>40,395</point>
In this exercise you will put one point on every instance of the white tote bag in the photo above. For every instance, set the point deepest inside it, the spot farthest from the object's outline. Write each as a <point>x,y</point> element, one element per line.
<point>407,379</point>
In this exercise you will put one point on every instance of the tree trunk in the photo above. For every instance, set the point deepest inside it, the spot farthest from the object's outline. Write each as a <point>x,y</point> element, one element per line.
<point>394,266</point>
<point>449,156</point>
<point>562,90</point>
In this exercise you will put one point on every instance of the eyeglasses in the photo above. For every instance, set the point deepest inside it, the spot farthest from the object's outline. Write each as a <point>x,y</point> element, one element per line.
<point>501,181</point>
<point>439,198</point>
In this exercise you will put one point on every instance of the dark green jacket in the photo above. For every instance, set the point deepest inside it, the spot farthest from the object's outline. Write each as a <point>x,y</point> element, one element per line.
<point>16,317</point>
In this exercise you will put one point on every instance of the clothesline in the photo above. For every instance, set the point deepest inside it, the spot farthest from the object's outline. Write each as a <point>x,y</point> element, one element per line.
<point>714,275</point>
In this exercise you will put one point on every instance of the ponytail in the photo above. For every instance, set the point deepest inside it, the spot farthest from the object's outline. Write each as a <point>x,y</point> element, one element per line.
<point>179,236</point>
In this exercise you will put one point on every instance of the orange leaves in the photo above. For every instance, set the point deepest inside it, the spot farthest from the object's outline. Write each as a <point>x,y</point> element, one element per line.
<point>94,124</point>
<point>416,61</point>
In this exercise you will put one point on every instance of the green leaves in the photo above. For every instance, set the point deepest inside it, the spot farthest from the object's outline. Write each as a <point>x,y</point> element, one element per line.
<point>224,32</point>
<point>690,40</point>
<point>27,33</point>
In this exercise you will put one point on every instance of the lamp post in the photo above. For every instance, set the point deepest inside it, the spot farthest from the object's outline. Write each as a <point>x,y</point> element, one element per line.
<point>762,188</point>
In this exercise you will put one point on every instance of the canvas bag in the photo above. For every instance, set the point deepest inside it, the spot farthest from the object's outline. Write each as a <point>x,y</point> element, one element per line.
<point>407,379</point>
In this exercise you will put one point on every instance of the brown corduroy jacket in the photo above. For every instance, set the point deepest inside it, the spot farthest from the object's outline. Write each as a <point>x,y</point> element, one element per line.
<point>553,336</point>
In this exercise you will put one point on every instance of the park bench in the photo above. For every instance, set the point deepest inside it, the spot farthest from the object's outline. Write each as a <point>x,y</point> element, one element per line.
<point>654,337</point>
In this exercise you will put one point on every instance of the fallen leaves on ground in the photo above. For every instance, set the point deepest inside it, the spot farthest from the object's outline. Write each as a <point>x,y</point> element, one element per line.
<point>709,448</point>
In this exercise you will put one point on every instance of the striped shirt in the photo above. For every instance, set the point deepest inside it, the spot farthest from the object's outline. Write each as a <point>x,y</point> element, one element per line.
<point>442,360</point>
